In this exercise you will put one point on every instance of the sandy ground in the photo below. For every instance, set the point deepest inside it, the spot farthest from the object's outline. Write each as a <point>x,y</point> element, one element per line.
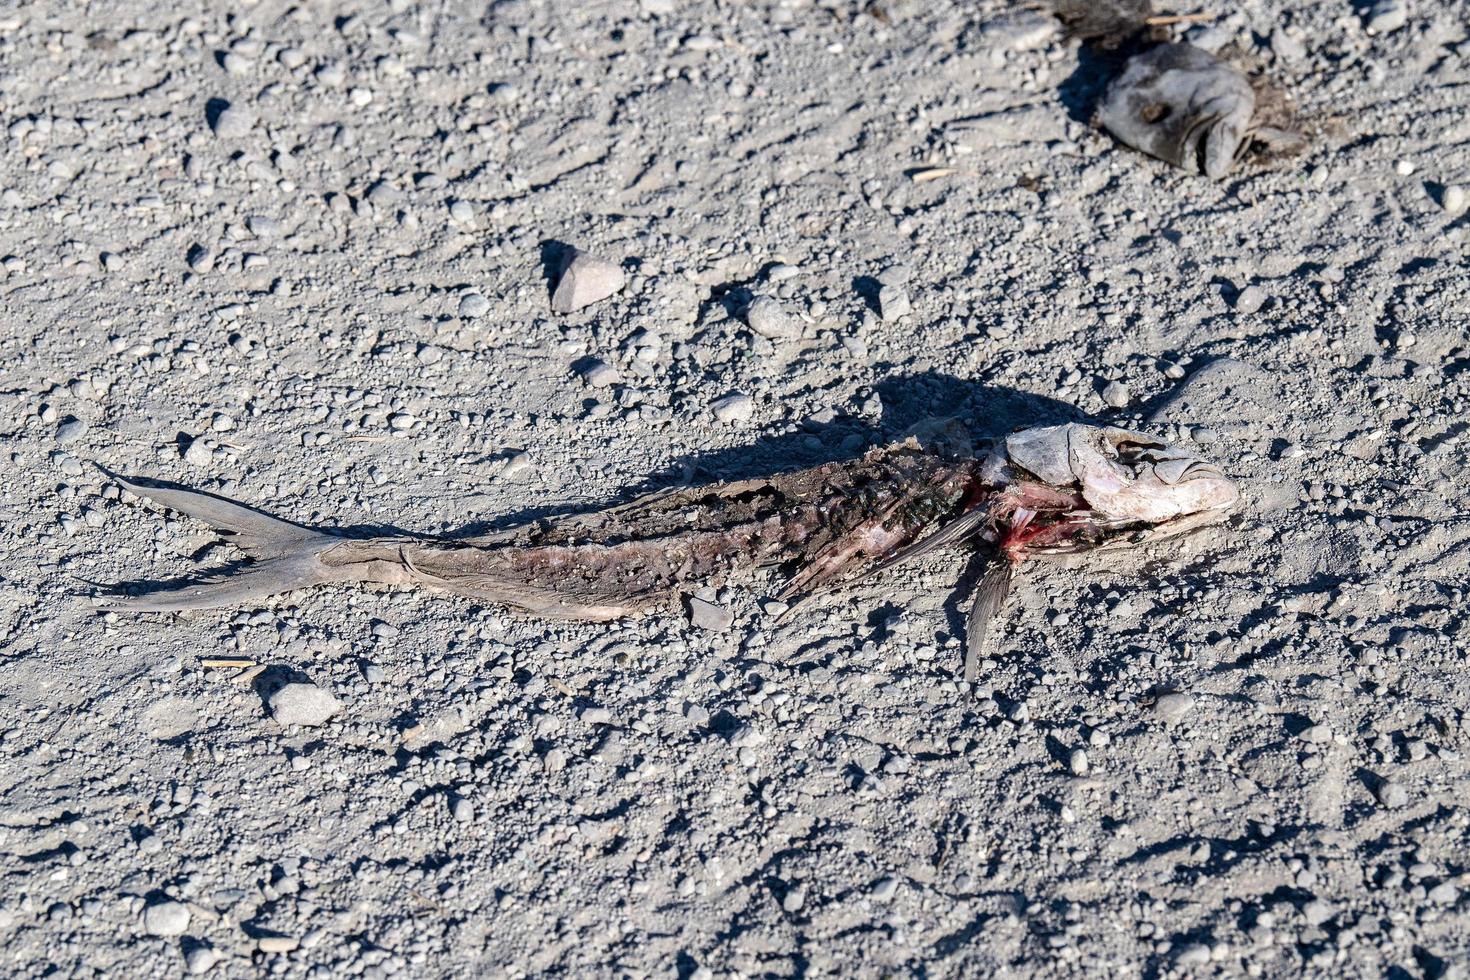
<point>298,253</point>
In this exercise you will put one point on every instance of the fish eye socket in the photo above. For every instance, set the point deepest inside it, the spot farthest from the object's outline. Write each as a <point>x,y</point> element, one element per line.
<point>1155,112</point>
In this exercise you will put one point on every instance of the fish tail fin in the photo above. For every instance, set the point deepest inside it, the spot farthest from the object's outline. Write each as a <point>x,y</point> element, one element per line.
<point>285,556</point>
<point>254,532</point>
<point>234,588</point>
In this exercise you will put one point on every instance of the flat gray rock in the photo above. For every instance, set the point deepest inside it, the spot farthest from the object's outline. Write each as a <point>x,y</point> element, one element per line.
<point>585,280</point>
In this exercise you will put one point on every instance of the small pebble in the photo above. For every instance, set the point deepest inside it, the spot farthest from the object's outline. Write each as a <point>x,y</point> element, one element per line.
<point>200,960</point>
<point>463,810</point>
<point>1386,16</point>
<point>1315,734</point>
<point>1454,200</point>
<point>1077,763</point>
<point>735,407</point>
<point>166,919</point>
<point>1404,168</point>
<point>1193,954</point>
<point>1392,795</point>
<point>1116,394</point>
<point>233,122</point>
<point>1444,893</point>
<point>1173,708</point>
<point>709,615</point>
<point>586,279</point>
<point>596,716</point>
<point>1316,912</point>
<point>794,899</point>
<point>200,259</point>
<point>302,703</point>
<point>893,303</point>
<point>278,944</point>
<point>884,889</point>
<point>1250,300</point>
<point>199,452</point>
<point>600,374</point>
<point>70,430</point>
<point>472,305</point>
<point>462,212</point>
<point>747,737</point>
<point>766,317</point>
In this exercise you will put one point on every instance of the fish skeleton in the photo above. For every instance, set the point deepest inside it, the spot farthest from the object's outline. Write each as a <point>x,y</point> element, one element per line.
<point>1046,490</point>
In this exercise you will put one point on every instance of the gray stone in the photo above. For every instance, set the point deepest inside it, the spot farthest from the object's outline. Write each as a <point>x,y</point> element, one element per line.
<point>1453,199</point>
<point>747,737</point>
<point>1173,708</point>
<point>1250,300</point>
<point>233,122</point>
<point>302,703</point>
<point>1386,16</point>
<point>472,305</point>
<point>600,374</point>
<point>200,960</point>
<point>166,919</point>
<point>1116,394</point>
<point>70,431</point>
<point>893,303</point>
<point>736,407</point>
<point>596,716</point>
<point>1392,795</point>
<point>585,280</point>
<point>766,316</point>
<point>884,889</point>
<point>709,615</point>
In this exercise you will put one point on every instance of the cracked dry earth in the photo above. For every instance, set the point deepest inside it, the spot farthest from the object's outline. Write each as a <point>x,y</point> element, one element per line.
<point>300,254</point>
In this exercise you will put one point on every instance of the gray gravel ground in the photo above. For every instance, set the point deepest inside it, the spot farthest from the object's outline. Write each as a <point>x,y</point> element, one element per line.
<point>299,253</point>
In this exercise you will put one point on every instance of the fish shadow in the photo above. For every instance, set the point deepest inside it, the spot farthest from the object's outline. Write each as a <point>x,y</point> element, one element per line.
<point>911,402</point>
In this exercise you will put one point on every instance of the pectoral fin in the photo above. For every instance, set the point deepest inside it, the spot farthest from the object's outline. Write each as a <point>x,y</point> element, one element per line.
<point>990,595</point>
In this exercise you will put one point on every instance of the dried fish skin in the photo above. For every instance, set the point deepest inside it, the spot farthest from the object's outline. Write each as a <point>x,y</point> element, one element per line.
<point>1183,105</point>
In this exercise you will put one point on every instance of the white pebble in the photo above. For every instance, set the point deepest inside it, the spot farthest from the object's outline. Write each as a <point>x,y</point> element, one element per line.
<point>1392,795</point>
<point>1250,300</point>
<point>233,122</point>
<point>733,408</point>
<point>200,960</point>
<point>166,919</point>
<point>1404,168</point>
<point>1173,708</point>
<point>600,374</point>
<point>747,737</point>
<point>472,305</point>
<point>766,317</point>
<point>893,303</point>
<point>1116,394</point>
<point>1453,200</point>
<point>302,703</point>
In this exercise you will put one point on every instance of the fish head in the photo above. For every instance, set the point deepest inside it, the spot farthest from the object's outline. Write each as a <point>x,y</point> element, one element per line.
<point>1079,487</point>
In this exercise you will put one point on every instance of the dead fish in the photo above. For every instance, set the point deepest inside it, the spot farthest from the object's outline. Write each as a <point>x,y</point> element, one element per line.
<point>1172,100</point>
<point>1183,105</point>
<point>1048,490</point>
